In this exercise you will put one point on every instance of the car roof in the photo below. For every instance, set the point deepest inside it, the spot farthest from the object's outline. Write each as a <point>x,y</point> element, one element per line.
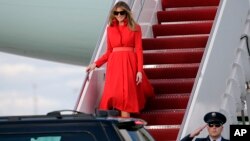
<point>58,117</point>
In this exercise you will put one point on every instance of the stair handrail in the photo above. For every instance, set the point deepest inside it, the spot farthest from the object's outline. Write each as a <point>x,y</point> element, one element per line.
<point>243,117</point>
<point>247,42</point>
<point>245,95</point>
<point>94,55</point>
<point>140,10</point>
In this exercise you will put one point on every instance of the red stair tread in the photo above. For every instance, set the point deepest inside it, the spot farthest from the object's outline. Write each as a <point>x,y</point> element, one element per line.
<point>171,42</point>
<point>168,101</point>
<point>171,71</point>
<point>182,28</point>
<point>171,86</point>
<point>163,132</point>
<point>186,14</point>
<point>172,56</point>
<point>188,3</point>
<point>162,117</point>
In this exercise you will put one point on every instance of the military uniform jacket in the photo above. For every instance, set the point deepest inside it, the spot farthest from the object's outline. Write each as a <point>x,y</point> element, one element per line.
<point>187,138</point>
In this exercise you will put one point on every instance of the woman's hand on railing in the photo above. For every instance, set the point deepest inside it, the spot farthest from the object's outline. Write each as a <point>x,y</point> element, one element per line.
<point>91,67</point>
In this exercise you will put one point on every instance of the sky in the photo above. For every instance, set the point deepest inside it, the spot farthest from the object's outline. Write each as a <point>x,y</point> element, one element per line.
<point>31,86</point>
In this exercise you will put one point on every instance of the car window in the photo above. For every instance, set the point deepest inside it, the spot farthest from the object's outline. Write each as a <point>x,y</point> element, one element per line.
<point>83,136</point>
<point>145,135</point>
<point>58,138</point>
<point>125,135</point>
<point>138,135</point>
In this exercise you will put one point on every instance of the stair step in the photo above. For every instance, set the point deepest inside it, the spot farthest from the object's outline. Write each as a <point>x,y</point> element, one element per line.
<point>164,132</point>
<point>172,86</point>
<point>173,42</point>
<point>171,71</point>
<point>182,28</point>
<point>162,117</point>
<point>168,101</point>
<point>173,56</point>
<point>187,14</point>
<point>188,3</point>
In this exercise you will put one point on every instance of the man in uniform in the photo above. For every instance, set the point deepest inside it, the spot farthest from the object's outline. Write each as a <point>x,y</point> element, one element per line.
<point>215,121</point>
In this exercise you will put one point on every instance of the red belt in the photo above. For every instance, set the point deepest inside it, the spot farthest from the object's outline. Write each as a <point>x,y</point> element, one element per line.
<point>123,49</point>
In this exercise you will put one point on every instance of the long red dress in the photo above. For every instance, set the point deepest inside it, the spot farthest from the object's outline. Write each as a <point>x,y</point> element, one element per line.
<point>120,89</point>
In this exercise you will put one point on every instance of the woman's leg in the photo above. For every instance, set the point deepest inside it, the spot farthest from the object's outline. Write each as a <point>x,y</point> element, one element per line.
<point>125,114</point>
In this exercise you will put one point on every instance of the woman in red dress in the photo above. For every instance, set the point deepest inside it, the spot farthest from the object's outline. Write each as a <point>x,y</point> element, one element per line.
<point>126,87</point>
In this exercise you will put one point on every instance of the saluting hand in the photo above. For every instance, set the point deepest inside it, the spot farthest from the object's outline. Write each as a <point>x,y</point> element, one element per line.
<point>138,78</point>
<point>91,67</point>
<point>197,131</point>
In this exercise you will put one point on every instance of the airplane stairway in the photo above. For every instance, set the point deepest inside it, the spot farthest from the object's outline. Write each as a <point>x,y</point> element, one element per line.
<point>172,59</point>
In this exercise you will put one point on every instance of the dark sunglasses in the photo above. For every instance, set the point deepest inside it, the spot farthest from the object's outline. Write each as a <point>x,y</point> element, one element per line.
<point>120,12</point>
<point>214,124</point>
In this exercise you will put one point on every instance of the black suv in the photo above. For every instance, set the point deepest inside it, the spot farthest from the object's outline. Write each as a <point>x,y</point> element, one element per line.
<point>73,127</point>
